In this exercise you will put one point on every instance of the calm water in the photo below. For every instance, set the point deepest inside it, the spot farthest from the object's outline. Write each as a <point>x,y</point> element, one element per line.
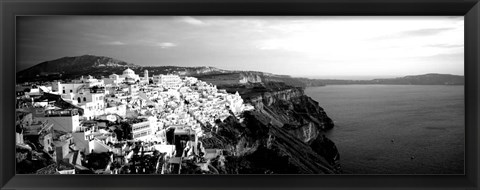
<point>424,122</point>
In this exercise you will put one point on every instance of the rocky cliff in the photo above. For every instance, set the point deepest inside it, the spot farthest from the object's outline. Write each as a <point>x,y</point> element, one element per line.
<point>249,78</point>
<point>292,110</point>
<point>284,134</point>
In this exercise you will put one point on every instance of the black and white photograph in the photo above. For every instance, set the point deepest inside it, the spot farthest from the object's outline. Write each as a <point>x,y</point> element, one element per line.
<point>220,95</point>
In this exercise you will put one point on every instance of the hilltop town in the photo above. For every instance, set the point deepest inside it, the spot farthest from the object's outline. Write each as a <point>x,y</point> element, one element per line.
<point>123,124</point>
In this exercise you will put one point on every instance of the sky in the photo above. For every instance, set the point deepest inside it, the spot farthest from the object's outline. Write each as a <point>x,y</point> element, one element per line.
<point>341,47</point>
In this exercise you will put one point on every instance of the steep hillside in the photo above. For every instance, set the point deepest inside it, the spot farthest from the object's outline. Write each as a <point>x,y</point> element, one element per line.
<point>100,66</point>
<point>67,67</point>
<point>284,134</point>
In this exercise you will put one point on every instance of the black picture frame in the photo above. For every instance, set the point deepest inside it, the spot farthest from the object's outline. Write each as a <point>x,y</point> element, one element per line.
<point>10,9</point>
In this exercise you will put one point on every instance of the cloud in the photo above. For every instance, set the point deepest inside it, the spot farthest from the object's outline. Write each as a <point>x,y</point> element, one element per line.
<point>445,45</point>
<point>164,45</point>
<point>425,32</point>
<point>115,43</point>
<point>192,20</point>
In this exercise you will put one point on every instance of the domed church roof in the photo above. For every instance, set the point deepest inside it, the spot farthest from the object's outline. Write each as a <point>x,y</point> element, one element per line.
<point>128,71</point>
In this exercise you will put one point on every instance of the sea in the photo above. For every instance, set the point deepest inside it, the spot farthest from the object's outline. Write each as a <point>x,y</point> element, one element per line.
<point>396,129</point>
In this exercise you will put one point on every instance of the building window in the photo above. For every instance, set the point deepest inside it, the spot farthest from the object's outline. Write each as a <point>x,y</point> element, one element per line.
<point>78,99</point>
<point>64,91</point>
<point>71,90</point>
<point>84,99</point>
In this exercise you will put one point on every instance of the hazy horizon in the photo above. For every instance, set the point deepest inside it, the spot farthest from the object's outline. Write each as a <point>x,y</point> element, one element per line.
<point>325,77</point>
<point>332,77</point>
<point>365,47</point>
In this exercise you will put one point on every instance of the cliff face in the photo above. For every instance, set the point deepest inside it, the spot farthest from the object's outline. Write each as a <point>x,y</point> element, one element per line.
<point>282,135</point>
<point>269,98</point>
<point>295,112</point>
<point>249,77</point>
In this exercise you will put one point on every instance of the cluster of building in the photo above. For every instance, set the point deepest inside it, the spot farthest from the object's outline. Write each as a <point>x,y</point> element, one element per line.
<point>110,125</point>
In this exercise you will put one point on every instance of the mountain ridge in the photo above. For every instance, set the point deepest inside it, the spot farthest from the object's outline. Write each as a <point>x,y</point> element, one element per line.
<point>101,66</point>
<point>424,79</point>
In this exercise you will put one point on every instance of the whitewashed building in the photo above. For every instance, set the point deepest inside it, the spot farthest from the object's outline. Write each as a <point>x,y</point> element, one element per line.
<point>168,81</point>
